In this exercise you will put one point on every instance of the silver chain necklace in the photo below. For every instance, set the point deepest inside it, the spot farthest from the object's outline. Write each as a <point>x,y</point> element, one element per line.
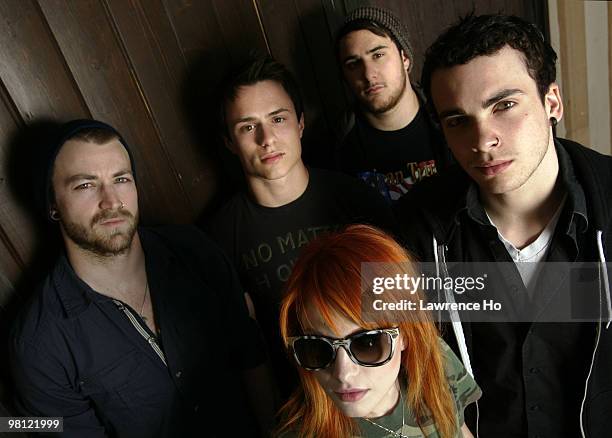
<point>144,300</point>
<point>394,433</point>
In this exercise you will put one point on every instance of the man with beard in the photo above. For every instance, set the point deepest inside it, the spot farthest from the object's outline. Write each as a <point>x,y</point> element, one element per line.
<point>388,140</point>
<point>131,323</point>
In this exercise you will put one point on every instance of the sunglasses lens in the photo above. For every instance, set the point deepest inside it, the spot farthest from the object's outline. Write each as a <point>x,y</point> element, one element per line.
<point>371,348</point>
<point>313,353</point>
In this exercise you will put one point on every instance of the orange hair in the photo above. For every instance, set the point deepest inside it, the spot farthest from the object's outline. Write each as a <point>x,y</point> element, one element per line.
<point>328,277</point>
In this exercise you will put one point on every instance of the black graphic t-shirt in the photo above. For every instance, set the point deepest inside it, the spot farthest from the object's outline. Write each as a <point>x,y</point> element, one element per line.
<point>391,161</point>
<point>264,242</point>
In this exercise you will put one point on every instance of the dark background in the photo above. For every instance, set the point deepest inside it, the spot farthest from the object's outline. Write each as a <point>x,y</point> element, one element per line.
<point>148,67</point>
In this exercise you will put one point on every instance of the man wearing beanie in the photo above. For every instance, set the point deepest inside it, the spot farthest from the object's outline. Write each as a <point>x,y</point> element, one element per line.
<point>131,333</point>
<point>388,140</point>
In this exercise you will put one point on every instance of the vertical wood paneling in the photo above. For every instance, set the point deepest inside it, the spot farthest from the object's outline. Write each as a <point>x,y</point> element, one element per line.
<point>596,39</point>
<point>112,92</point>
<point>240,27</point>
<point>16,229</point>
<point>159,67</point>
<point>291,28</point>
<point>212,36</point>
<point>32,68</point>
<point>555,42</point>
<point>9,274</point>
<point>573,64</point>
<point>319,44</point>
<point>282,25</point>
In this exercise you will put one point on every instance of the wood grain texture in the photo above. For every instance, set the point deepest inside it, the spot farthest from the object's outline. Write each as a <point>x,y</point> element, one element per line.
<point>300,38</point>
<point>113,93</point>
<point>159,67</point>
<point>573,64</point>
<point>33,68</point>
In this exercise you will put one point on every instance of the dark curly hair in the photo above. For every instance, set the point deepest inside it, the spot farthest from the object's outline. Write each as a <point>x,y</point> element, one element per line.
<point>256,69</point>
<point>484,35</point>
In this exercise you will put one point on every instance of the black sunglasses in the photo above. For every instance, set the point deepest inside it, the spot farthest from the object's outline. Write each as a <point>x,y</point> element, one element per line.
<point>371,348</point>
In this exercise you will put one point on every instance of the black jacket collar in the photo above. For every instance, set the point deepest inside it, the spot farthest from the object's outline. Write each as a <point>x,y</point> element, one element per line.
<point>445,198</point>
<point>575,204</point>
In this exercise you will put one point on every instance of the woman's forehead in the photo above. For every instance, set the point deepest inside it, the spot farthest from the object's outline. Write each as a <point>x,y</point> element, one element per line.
<point>338,326</point>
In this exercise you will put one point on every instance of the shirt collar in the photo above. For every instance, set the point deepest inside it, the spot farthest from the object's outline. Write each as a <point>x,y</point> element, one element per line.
<point>76,295</point>
<point>576,207</point>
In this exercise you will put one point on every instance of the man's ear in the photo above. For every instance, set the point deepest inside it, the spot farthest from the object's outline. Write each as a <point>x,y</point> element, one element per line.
<point>54,213</point>
<point>405,60</point>
<point>301,124</point>
<point>552,102</point>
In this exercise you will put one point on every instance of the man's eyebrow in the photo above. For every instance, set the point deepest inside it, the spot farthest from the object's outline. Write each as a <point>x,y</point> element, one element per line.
<point>122,172</point>
<point>79,177</point>
<point>381,46</point>
<point>244,119</point>
<point>88,177</point>
<point>278,111</point>
<point>372,50</point>
<point>500,95</point>
<point>251,118</point>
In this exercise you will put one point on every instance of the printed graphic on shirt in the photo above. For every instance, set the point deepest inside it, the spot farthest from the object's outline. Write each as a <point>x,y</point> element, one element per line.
<point>268,263</point>
<point>393,185</point>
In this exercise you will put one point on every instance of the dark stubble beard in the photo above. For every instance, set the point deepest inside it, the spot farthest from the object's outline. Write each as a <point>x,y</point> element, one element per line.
<point>91,239</point>
<point>391,101</point>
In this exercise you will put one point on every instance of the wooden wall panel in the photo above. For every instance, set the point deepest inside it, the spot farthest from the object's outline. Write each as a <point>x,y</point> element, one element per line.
<point>213,36</point>
<point>300,38</point>
<point>159,67</point>
<point>112,91</point>
<point>318,25</point>
<point>9,273</point>
<point>16,228</point>
<point>32,68</point>
<point>573,65</point>
<point>240,27</point>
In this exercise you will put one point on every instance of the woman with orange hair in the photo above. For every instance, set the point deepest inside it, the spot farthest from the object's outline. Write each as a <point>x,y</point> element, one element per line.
<point>389,376</point>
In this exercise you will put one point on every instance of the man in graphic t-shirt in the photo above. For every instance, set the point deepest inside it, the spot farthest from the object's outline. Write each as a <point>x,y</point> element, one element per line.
<point>389,140</point>
<point>286,204</point>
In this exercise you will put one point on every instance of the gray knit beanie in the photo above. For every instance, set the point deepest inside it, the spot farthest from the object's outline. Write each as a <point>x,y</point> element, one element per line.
<point>382,18</point>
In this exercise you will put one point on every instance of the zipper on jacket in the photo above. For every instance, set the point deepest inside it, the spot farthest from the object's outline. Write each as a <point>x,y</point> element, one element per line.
<point>152,340</point>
